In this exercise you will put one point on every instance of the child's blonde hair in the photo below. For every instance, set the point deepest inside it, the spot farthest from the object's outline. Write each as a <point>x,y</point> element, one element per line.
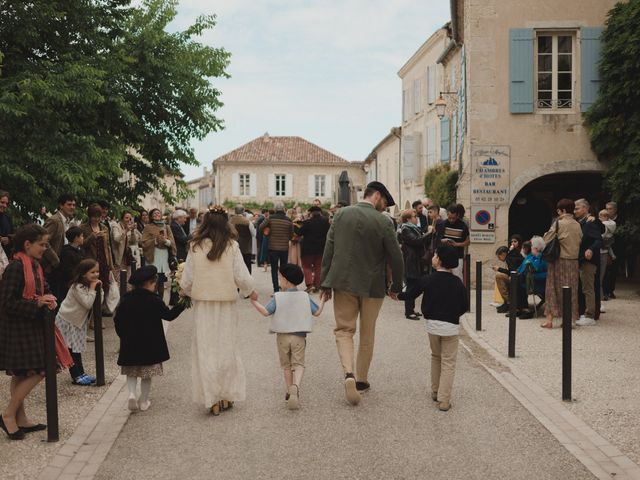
<point>603,213</point>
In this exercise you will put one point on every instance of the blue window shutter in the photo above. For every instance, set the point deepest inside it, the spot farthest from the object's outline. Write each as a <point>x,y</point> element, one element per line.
<point>445,140</point>
<point>521,70</point>
<point>589,73</point>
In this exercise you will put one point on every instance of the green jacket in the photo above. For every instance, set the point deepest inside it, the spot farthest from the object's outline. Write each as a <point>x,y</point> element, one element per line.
<point>360,243</point>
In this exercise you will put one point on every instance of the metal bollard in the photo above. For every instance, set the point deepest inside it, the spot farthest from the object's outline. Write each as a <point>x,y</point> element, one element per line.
<point>478,295</point>
<point>143,261</point>
<point>467,279</point>
<point>566,344</point>
<point>123,282</point>
<point>51,381</point>
<point>97,331</point>
<point>513,307</point>
<point>134,266</point>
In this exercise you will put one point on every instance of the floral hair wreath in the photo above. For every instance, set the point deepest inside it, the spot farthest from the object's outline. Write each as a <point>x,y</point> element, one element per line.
<point>218,209</point>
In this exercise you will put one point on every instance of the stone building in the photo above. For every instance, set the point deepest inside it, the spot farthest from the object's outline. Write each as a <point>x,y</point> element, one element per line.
<point>287,169</point>
<point>383,163</point>
<point>426,139</point>
<point>516,78</point>
<point>202,191</point>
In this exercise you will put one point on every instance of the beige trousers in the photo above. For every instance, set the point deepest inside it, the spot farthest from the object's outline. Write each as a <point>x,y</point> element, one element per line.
<point>347,308</point>
<point>588,278</point>
<point>444,352</point>
<point>502,282</point>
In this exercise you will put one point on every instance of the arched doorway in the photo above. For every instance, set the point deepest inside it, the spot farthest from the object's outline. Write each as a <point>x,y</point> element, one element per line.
<point>533,206</point>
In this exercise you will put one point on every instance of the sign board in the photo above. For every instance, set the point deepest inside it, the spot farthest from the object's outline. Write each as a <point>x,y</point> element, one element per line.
<point>490,165</point>
<point>483,218</point>
<point>482,237</point>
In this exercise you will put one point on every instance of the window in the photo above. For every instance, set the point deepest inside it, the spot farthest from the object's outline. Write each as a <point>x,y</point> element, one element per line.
<point>554,85</point>
<point>319,186</point>
<point>281,185</point>
<point>245,184</point>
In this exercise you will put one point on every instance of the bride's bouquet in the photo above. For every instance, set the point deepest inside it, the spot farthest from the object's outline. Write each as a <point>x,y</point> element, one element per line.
<point>183,300</point>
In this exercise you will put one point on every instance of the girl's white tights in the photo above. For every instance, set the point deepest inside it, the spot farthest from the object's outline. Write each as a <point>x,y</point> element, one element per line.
<point>145,388</point>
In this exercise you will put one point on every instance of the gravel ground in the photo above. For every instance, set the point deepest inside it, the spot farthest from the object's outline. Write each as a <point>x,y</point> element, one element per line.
<point>24,459</point>
<point>606,365</point>
<point>396,432</point>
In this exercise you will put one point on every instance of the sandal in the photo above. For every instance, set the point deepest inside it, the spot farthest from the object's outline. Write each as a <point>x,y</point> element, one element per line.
<point>226,405</point>
<point>215,409</point>
<point>547,325</point>
<point>412,316</point>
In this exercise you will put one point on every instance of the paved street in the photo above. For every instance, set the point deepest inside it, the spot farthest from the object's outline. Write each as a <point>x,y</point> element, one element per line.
<point>396,432</point>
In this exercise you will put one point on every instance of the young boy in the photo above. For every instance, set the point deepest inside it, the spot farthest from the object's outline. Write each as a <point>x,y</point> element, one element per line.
<point>291,314</point>
<point>70,257</point>
<point>444,300</point>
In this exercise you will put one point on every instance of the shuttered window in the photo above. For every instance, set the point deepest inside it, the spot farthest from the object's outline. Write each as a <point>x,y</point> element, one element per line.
<point>555,70</point>
<point>445,140</point>
<point>589,73</point>
<point>521,70</point>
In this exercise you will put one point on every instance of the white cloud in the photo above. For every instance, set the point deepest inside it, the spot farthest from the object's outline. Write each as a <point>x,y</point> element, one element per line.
<point>325,70</point>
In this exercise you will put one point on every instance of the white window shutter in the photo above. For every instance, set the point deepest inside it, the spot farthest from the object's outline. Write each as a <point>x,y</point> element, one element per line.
<point>416,96</point>
<point>312,186</point>
<point>253,184</point>
<point>409,157</point>
<point>328,186</point>
<point>235,185</point>
<point>288,188</point>
<point>272,185</point>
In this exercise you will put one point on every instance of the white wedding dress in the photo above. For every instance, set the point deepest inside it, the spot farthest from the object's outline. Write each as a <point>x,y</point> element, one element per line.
<point>216,367</point>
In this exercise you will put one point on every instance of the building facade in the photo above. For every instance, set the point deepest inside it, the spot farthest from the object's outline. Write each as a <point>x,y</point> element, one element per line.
<point>383,164</point>
<point>287,169</point>
<point>202,191</point>
<point>426,138</point>
<point>530,73</point>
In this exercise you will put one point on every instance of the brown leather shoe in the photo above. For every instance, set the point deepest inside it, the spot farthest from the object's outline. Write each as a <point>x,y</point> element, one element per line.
<point>350,390</point>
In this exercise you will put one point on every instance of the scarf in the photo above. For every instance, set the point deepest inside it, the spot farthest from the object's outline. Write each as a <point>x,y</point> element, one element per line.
<point>30,293</point>
<point>30,290</point>
<point>413,226</point>
<point>159,223</point>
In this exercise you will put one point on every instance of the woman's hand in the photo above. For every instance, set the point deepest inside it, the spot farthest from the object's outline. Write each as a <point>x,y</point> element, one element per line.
<point>95,283</point>
<point>48,301</point>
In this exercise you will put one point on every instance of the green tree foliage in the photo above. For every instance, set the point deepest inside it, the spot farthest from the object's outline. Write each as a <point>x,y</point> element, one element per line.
<point>440,185</point>
<point>98,99</point>
<point>614,119</point>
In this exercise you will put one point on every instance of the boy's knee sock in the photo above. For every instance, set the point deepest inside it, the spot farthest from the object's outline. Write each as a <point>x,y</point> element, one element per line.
<point>145,388</point>
<point>132,384</point>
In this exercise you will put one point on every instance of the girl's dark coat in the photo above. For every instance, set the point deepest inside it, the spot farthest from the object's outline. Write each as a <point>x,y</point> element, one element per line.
<point>138,322</point>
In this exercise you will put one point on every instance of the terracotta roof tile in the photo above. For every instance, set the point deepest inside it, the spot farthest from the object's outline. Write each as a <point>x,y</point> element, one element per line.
<point>281,150</point>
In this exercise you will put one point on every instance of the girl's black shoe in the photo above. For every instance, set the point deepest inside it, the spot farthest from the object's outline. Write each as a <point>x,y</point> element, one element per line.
<point>17,435</point>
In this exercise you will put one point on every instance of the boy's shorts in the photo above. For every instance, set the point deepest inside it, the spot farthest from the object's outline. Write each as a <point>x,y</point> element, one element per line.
<point>291,349</point>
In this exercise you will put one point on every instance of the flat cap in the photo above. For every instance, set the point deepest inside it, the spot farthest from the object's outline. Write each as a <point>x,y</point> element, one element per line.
<point>383,191</point>
<point>142,275</point>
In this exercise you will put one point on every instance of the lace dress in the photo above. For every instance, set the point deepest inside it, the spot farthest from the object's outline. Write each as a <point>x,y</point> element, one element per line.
<point>217,369</point>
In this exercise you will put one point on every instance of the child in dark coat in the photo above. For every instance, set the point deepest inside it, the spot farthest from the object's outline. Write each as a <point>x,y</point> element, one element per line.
<point>143,347</point>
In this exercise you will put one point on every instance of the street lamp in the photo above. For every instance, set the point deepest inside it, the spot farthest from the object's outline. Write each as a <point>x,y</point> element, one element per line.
<point>441,104</point>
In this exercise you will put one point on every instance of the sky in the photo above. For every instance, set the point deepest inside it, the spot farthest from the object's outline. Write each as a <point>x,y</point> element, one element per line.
<point>326,70</point>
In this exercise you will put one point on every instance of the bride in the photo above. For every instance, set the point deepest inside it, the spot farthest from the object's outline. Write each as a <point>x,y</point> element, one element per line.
<point>214,270</point>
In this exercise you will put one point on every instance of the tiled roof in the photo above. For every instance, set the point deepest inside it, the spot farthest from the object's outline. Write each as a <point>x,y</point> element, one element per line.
<point>280,150</point>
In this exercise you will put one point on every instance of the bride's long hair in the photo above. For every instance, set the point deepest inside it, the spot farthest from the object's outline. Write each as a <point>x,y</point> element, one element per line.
<point>215,227</point>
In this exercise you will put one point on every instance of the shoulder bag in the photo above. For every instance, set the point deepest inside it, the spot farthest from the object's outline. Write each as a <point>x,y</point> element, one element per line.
<point>551,251</point>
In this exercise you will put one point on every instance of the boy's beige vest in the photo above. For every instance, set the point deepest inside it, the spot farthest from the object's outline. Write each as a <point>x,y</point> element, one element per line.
<point>213,281</point>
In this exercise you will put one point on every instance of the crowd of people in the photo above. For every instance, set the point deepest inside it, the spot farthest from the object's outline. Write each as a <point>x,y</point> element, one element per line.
<point>354,256</point>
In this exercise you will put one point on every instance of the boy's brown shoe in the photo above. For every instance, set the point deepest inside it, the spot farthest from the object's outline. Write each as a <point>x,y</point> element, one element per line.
<point>293,402</point>
<point>434,396</point>
<point>350,390</point>
<point>444,406</point>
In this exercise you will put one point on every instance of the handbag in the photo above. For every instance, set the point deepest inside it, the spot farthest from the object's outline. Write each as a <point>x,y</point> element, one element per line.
<point>551,251</point>
<point>62,351</point>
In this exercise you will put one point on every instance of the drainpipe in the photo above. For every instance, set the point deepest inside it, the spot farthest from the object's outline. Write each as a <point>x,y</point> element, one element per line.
<point>397,132</point>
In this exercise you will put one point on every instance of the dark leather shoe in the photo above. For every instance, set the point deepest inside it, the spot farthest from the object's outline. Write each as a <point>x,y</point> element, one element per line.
<point>363,386</point>
<point>504,308</point>
<point>17,435</point>
<point>34,428</point>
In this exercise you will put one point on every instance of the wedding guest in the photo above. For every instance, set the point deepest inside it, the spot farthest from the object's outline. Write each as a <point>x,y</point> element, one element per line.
<point>6,225</point>
<point>179,219</point>
<point>158,247</point>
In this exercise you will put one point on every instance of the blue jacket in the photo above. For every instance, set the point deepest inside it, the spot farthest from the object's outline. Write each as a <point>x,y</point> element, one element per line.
<point>540,267</point>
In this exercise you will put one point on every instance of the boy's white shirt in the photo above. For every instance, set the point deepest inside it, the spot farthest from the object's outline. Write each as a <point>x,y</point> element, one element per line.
<point>293,313</point>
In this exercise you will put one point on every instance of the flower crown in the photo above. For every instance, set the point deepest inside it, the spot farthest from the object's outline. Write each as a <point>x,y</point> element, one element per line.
<point>219,209</point>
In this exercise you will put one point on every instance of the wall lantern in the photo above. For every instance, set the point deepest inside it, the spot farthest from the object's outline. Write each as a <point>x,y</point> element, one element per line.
<point>441,104</point>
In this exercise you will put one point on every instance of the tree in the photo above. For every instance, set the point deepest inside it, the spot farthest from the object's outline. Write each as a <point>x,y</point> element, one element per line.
<point>98,99</point>
<point>440,185</point>
<point>614,119</point>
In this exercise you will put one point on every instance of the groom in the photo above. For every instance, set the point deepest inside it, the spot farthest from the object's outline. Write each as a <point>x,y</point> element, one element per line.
<point>360,244</point>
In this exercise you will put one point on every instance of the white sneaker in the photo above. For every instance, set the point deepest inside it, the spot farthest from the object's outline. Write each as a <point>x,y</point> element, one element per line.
<point>144,406</point>
<point>602,310</point>
<point>585,321</point>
